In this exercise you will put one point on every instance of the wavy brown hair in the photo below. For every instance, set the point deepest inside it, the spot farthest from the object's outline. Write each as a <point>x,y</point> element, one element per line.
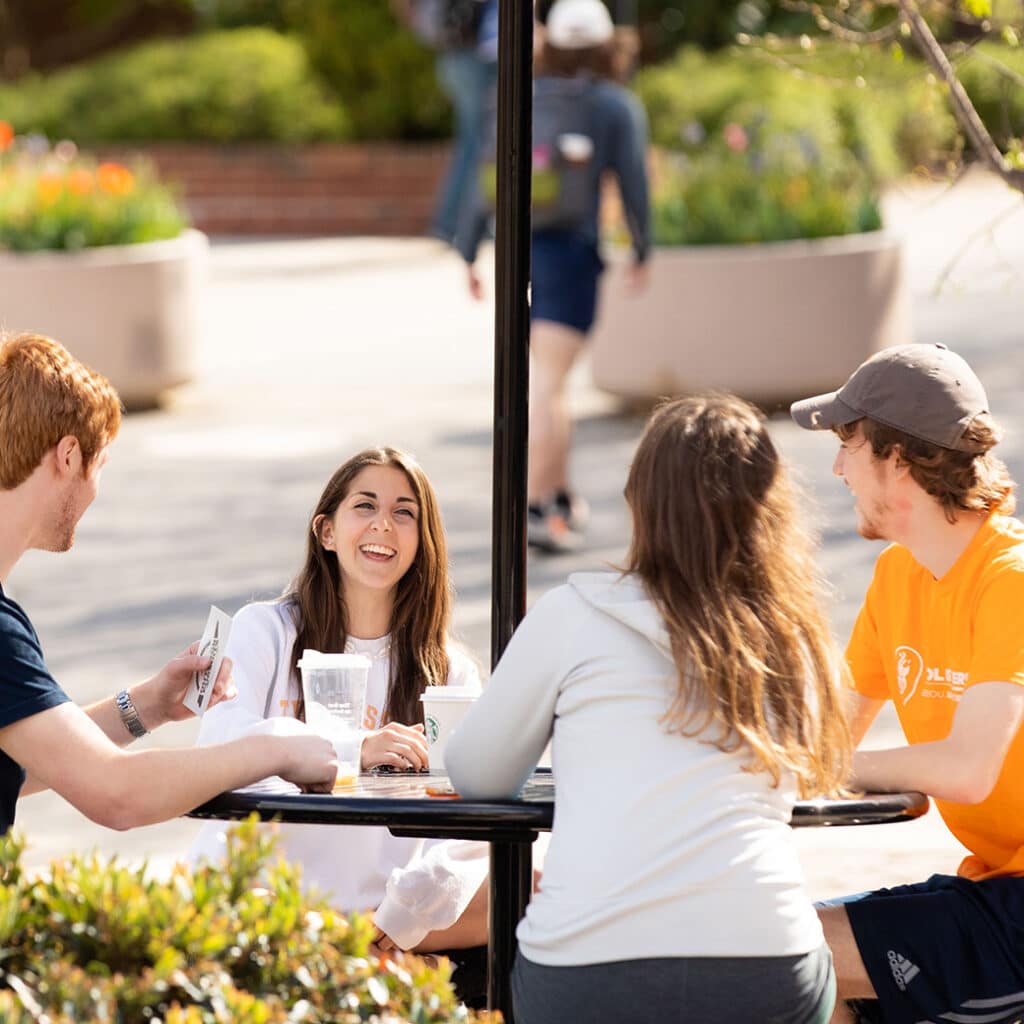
<point>718,547</point>
<point>974,480</point>
<point>421,615</point>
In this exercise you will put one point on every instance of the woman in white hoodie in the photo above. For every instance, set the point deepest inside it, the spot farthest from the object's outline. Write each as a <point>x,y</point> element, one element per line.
<point>374,582</point>
<point>689,698</point>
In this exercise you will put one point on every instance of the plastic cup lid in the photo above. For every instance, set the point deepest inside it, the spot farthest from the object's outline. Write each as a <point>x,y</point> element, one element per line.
<point>449,693</point>
<point>317,659</point>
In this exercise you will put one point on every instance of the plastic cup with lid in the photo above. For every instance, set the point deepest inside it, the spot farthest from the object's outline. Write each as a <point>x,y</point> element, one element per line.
<point>334,693</point>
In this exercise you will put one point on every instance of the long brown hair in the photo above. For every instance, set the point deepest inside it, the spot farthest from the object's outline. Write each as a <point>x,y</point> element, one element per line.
<point>422,612</point>
<point>718,548</point>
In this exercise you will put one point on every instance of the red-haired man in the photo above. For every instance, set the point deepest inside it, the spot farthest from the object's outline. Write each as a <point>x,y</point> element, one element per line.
<point>57,420</point>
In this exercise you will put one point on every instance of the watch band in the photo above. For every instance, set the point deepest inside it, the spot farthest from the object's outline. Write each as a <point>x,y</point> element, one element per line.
<point>129,715</point>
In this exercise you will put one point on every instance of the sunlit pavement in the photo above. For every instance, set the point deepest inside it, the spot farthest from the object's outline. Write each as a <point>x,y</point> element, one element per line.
<point>311,349</point>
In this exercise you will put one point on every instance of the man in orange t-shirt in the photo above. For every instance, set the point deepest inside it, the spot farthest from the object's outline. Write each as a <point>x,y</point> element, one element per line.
<point>941,634</point>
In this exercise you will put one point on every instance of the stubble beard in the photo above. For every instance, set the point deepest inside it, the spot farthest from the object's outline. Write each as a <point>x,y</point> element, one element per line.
<point>64,531</point>
<point>867,525</point>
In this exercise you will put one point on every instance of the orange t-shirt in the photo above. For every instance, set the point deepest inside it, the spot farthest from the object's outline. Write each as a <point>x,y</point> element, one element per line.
<point>921,642</point>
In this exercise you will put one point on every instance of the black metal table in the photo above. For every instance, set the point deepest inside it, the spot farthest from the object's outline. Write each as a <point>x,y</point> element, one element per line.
<point>407,806</point>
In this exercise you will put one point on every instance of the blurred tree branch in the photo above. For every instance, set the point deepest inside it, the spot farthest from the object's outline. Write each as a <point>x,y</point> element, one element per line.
<point>840,22</point>
<point>963,109</point>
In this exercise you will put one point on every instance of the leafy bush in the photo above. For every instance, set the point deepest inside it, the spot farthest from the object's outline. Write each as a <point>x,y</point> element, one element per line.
<point>58,199</point>
<point>96,941</point>
<point>992,74</point>
<point>752,185</point>
<point>879,107</point>
<point>383,76</point>
<point>221,86</point>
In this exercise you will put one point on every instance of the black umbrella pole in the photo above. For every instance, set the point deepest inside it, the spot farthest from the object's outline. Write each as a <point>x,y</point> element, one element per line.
<point>511,320</point>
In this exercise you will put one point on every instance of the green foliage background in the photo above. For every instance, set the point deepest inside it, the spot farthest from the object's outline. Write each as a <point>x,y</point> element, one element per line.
<point>382,76</point>
<point>222,86</point>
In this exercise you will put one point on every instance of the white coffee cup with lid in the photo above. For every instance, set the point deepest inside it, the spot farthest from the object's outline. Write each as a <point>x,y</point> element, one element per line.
<point>444,708</point>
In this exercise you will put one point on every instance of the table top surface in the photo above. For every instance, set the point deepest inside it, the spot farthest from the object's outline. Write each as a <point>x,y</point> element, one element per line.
<point>425,801</point>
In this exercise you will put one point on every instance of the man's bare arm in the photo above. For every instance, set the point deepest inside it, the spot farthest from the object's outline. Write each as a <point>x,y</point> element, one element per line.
<point>964,767</point>
<point>65,750</point>
<point>158,700</point>
<point>861,711</point>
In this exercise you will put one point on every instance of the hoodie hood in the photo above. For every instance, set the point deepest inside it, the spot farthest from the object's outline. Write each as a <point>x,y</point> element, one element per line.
<point>623,598</point>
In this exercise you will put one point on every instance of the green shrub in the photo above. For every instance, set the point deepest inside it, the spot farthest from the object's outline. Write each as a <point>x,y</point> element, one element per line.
<point>383,76</point>
<point>221,86</point>
<point>992,74</point>
<point>57,199</point>
<point>754,185</point>
<point>238,941</point>
<point>878,106</point>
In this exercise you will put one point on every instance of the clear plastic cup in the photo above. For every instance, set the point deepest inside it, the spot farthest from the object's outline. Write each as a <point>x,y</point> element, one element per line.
<point>334,692</point>
<point>444,708</point>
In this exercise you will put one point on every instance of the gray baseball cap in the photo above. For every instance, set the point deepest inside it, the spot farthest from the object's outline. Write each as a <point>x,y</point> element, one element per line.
<point>926,391</point>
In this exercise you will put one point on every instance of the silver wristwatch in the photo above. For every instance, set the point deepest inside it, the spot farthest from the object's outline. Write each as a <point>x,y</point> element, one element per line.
<point>130,717</point>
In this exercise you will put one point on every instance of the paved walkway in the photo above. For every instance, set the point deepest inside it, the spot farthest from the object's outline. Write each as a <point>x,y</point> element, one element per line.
<point>312,349</point>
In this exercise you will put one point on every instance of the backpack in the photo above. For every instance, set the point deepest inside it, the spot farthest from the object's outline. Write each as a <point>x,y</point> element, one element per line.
<point>563,152</point>
<point>448,24</point>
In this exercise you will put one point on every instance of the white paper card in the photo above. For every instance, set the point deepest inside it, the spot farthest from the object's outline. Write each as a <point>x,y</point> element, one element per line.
<point>215,640</point>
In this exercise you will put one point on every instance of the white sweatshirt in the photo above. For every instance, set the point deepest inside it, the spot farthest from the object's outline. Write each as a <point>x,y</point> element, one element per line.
<point>662,846</point>
<point>414,885</point>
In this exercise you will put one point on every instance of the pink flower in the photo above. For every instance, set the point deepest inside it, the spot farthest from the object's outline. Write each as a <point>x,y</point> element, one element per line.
<point>735,137</point>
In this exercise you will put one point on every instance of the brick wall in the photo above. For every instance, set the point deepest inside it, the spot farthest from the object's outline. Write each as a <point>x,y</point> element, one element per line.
<point>253,189</point>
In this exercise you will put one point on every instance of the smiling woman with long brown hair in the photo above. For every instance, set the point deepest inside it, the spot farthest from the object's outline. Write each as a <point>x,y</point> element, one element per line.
<point>690,698</point>
<point>374,582</point>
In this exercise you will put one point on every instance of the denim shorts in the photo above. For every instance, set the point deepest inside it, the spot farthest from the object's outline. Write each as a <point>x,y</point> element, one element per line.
<point>564,272</point>
<point>947,949</point>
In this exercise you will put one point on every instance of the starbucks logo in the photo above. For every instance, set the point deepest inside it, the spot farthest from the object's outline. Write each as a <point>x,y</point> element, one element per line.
<point>433,729</point>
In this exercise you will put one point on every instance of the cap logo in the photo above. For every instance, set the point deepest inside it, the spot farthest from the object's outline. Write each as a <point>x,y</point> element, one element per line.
<point>816,418</point>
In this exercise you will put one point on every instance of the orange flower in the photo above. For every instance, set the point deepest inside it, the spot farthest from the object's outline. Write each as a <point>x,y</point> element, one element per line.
<point>115,179</point>
<point>6,135</point>
<point>80,181</point>
<point>796,190</point>
<point>49,186</point>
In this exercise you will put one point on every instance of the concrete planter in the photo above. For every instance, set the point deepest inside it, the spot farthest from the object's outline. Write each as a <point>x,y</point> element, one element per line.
<point>128,311</point>
<point>771,322</point>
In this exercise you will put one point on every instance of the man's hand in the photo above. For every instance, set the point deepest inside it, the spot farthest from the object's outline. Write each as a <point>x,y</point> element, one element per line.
<point>310,762</point>
<point>159,700</point>
<point>403,746</point>
<point>474,282</point>
<point>638,276</point>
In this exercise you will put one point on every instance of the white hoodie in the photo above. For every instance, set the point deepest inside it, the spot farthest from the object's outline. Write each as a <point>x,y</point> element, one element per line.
<point>663,845</point>
<point>414,885</point>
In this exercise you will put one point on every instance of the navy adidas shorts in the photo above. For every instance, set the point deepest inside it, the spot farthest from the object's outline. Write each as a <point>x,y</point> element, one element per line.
<point>948,950</point>
<point>564,270</point>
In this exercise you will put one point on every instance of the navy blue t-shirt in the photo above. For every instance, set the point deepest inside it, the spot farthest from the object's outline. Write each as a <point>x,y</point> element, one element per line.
<point>26,688</point>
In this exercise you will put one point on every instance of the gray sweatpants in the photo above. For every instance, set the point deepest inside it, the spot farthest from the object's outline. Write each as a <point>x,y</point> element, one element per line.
<point>694,990</point>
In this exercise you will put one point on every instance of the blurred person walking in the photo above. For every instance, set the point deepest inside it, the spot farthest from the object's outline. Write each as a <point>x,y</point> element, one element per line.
<point>57,421</point>
<point>465,35</point>
<point>584,125</point>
